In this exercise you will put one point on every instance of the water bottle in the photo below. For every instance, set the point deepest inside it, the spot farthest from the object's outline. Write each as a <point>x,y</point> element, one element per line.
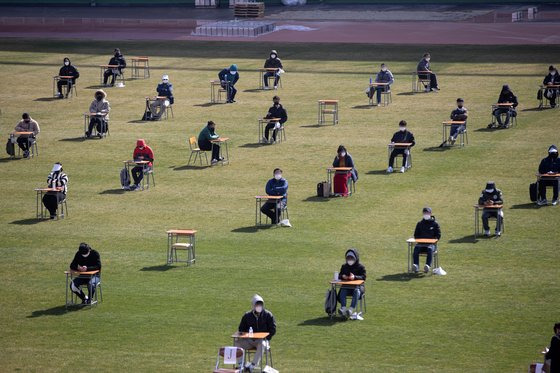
<point>250,331</point>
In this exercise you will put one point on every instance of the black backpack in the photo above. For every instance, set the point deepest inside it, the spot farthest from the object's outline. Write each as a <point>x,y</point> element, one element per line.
<point>10,148</point>
<point>330,302</point>
<point>533,192</point>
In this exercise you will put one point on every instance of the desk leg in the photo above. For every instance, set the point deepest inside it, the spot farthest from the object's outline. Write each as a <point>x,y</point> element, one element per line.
<point>226,159</point>
<point>256,212</point>
<point>67,286</point>
<point>168,254</point>
<point>333,287</point>
<point>409,257</point>
<point>475,222</point>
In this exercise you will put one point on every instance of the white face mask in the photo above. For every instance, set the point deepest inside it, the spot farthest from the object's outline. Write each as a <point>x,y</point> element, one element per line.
<point>272,56</point>
<point>165,81</point>
<point>233,72</point>
<point>553,73</point>
<point>85,256</point>
<point>350,262</point>
<point>428,59</point>
<point>489,190</point>
<point>258,309</point>
<point>277,176</point>
<point>427,216</point>
<point>66,63</point>
<point>402,129</point>
<point>383,69</point>
<point>343,154</point>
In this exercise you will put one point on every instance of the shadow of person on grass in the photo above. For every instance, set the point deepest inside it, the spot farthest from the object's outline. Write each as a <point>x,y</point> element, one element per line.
<point>537,109</point>
<point>486,129</point>
<point>187,167</point>
<point>30,221</point>
<point>321,321</point>
<point>113,191</point>
<point>54,311</point>
<point>159,268</point>
<point>316,125</point>
<point>254,90</point>
<point>401,277</point>
<point>251,229</point>
<point>46,99</point>
<point>316,199</point>
<point>525,206</point>
<point>209,104</point>
<point>377,172</point>
<point>362,107</point>
<point>467,239</point>
<point>407,93</point>
<point>253,145</point>
<point>437,149</point>
<point>138,121</point>
<point>8,159</point>
<point>100,86</point>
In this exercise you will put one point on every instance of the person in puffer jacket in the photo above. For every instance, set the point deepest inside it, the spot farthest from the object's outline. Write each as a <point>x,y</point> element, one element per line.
<point>259,320</point>
<point>99,114</point>
<point>142,152</point>
<point>273,62</point>
<point>350,271</point>
<point>428,227</point>
<point>67,70</point>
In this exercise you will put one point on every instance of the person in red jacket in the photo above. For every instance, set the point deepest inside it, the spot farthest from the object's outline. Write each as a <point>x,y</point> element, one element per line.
<point>142,152</point>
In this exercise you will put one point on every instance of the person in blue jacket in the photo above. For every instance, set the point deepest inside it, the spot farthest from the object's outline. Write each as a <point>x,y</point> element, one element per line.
<point>383,76</point>
<point>228,78</point>
<point>277,186</point>
<point>164,89</point>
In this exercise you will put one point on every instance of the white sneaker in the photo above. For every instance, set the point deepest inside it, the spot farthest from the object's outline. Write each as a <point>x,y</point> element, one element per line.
<point>542,202</point>
<point>498,233</point>
<point>271,141</point>
<point>403,170</point>
<point>266,88</point>
<point>275,87</point>
<point>426,268</point>
<point>554,202</point>
<point>264,140</point>
<point>415,268</point>
<point>349,312</point>
<point>214,161</point>
<point>389,169</point>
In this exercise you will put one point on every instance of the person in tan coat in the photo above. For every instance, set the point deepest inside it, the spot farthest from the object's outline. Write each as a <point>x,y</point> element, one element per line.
<point>100,107</point>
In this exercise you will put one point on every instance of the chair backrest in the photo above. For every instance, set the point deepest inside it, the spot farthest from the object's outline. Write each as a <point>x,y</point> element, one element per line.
<point>192,143</point>
<point>239,353</point>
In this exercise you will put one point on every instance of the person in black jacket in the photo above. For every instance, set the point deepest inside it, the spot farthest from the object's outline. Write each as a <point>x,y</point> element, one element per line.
<point>506,95</point>
<point>428,227</point>
<point>67,70</point>
<point>552,353</point>
<point>402,136</point>
<point>275,111</point>
<point>491,196</point>
<point>551,79</point>
<point>86,259</point>
<point>273,62</point>
<point>116,60</point>
<point>350,271</point>
<point>257,320</point>
<point>549,165</point>
<point>164,89</point>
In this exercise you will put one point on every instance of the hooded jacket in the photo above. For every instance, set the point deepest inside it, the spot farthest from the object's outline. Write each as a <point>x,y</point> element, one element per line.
<point>550,163</point>
<point>166,90</point>
<point>32,126</point>
<point>273,63</point>
<point>357,269</point>
<point>384,77</point>
<point>552,79</point>
<point>403,137</point>
<point>494,196</point>
<point>100,106</point>
<point>146,152</point>
<point>226,76</point>
<point>118,59</point>
<point>554,354</point>
<point>92,261</point>
<point>205,137</point>
<point>348,162</point>
<point>278,112</point>
<point>427,229</point>
<point>69,70</point>
<point>261,323</point>
<point>507,96</point>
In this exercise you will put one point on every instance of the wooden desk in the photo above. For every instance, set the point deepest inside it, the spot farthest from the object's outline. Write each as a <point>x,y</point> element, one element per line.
<point>264,70</point>
<point>88,116</point>
<point>258,205</point>
<point>40,210</point>
<point>547,176</point>
<point>141,62</point>
<point>423,241</point>
<point>22,133</point>
<point>348,285</point>
<point>173,236</point>
<point>477,208</point>
<point>400,145</point>
<point>447,124</point>
<point>56,78</point>
<point>245,335</point>
<point>216,91</point>
<point>71,275</point>
<point>322,110</point>
<point>262,126</point>
<point>335,170</point>
<point>220,141</point>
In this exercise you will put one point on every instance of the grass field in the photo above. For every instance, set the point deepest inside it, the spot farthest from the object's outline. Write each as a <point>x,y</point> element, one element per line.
<point>493,312</point>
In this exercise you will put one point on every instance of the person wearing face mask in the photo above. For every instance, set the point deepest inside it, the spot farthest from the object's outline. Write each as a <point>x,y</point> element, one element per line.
<point>142,152</point>
<point>86,259</point>
<point>57,179</point>
<point>551,79</point>
<point>273,62</point>
<point>26,124</point>
<point>424,72</point>
<point>228,77</point>
<point>277,186</point>
<point>275,111</point>
<point>259,320</point>
<point>506,95</point>
<point>459,114</point>
<point>549,165</point>
<point>402,136</point>
<point>100,106</point>
<point>491,196</point>
<point>428,227</point>
<point>383,76</point>
<point>117,60</point>
<point>350,271</point>
<point>164,89</point>
<point>552,353</point>
<point>205,138</point>
<point>341,178</point>
<point>67,70</point>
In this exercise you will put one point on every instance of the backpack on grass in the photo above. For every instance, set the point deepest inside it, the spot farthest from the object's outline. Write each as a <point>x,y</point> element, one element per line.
<point>125,178</point>
<point>533,192</point>
<point>330,302</point>
<point>10,148</point>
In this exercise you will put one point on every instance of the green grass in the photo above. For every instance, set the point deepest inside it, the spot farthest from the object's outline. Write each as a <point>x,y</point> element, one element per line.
<point>492,313</point>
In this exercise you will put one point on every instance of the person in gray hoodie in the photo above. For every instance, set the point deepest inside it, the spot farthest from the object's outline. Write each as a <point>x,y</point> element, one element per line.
<point>257,320</point>
<point>99,114</point>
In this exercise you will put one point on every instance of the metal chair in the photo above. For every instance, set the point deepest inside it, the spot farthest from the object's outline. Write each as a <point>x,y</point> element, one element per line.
<point>267,355</point>
<point>196,151</point>
<point>33,148</point>
<point>221,358</point>
<point>148,175</point>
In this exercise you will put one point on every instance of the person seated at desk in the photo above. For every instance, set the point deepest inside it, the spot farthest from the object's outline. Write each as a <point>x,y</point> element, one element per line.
<point>26,124</point>
<point>101,107</point>
<point>273,62</point>
<point>428,227</point>
<point>491,196</point>
<point>506,95</point>
<point>205,138</point>
<point>277,186</point>
<point>340,180</point>
<point>351,270</point>
<point>67,70</point>
<point>117,60</point>
<point>383,76</point>
<point>275,111</point>
<point>551,79</point>
<point>164,89</point>
<point>402,136</point>
<point>142,152</point>
<point>459,114</point>
<point>57,179</point>
<point>549,165</point>
<point>259,320</point>
<point>228,77</point>
<point>424,73</point>
<point>552,352</point>
<point>85,260</point>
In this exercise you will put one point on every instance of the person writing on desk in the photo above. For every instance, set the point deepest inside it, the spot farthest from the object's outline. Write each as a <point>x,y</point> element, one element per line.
<point>402,136</point>
<point>257,320</point>
<point>142,152</point>
<point>428,227</point>
<point>549,165</point>
<point>205,138</point>
<point>101,107</point>
<point>551,79</point>
<point>424,72</point>
<point>350,271</point>
<point>67,70</point>
<point>164,89</point>
<point>57,179</point>
<point>26,124</point>
<point>273,62</point>
<point>277,186</point>
<point>275,111</point>
<point>459,115</point>
<point>228,77</point>
<point>117,60</point>
<point>491,196</point>
<point>340,180</point>
<point>85,260</point>
<point>383,76</point>
<point>506,96</point>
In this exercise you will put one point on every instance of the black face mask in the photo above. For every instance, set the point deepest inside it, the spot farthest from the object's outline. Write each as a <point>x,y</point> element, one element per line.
<point>99,98</point>
<point>276,104</point>
<point>553,155</point>
<point>27,120</point>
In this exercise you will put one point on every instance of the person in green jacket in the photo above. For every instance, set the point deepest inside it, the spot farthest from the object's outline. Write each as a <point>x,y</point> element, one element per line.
<point>205,138</point>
